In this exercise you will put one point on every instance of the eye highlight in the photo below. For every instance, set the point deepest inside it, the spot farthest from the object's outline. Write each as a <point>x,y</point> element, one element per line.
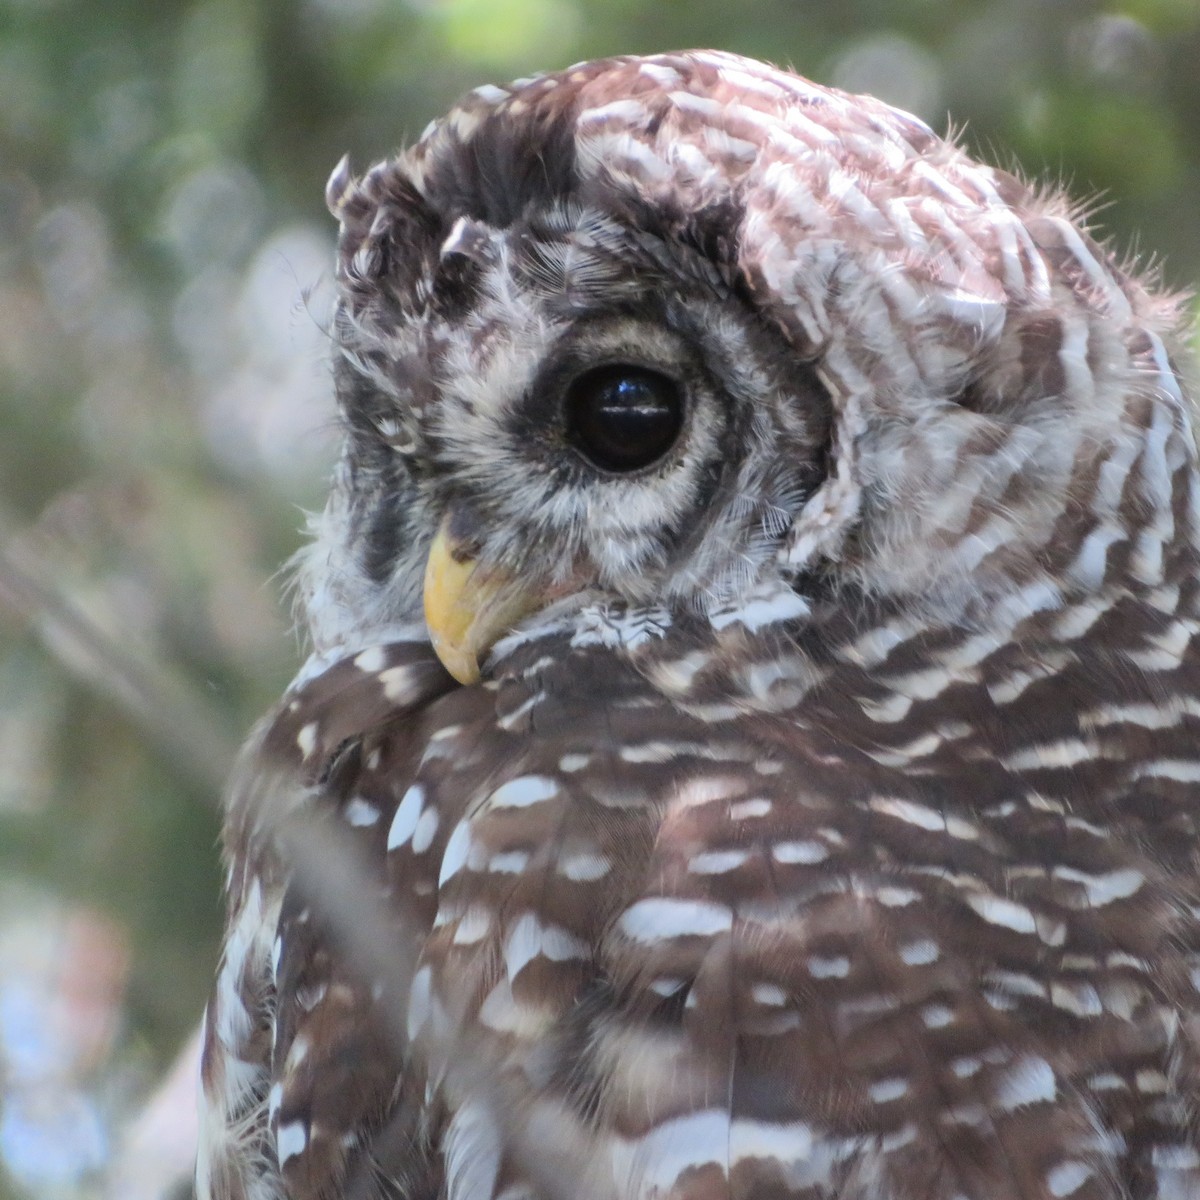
<point>623,417</point>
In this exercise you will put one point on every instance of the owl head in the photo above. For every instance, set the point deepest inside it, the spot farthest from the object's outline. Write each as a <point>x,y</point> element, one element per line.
<point>691,334</point>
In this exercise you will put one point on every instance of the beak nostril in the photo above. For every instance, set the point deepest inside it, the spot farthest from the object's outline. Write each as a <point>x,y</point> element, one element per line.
<point>464,533</point>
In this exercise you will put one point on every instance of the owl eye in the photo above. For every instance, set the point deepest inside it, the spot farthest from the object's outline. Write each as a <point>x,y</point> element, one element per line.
<point>622,417</point>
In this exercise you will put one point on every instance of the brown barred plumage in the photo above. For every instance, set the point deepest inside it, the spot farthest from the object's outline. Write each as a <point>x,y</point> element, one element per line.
<point>823,505</point>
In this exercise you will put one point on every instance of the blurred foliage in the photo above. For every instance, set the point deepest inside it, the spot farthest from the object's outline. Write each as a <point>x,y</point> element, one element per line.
<point>165,412</point>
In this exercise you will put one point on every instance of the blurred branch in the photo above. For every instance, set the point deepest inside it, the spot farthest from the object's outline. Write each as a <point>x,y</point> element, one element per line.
<point>382,944</point>
<point>189,733</point>
<point>157,1149</point>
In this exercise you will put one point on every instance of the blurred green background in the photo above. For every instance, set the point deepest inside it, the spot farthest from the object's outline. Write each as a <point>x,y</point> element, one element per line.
<point>165,417</point>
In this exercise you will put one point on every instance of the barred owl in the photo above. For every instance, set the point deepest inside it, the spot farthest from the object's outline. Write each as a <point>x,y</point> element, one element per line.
<point>750,745</point>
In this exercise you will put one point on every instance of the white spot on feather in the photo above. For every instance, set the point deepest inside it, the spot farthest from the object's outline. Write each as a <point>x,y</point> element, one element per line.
<point>501,1012</point>
<point>745,810</point>
<point>400,684</point>
<point>454,858</point>
<point>425,831</point>
<point>1177,769</point>
<point>627,111</point>
<point>473,927</point>
<point>372,660</point>
<point>718,862</point>
<point>1068,1177</point>
<point>784,1142</point>
<point>828,966</point>
<point>909,812</point>
<point>887,1090</point>
<point>919,953</point>
<point>584,867</point>
<point>665,987</point>
<point>1029,1081</point>
<point>523,792</point>
<point>1104,889</point>
<point>1152,1083</point>
<point>407,814</point>
<point>769,994</point>
<point>510,862</point>
<point>420,997</point>
<point>306,739</point>
<point>291,1140</point>
<point>659,918</point>
<point>1066,752</point>
<point>772,608</point>
<point>360,812</point>
<point>799,852</point>
<point>996,910</point>
<point>490,94</point>
<point>650,1166</point>
<point>530,939</point>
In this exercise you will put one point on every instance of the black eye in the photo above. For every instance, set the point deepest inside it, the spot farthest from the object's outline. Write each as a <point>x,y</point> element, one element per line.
<point>623,417</point>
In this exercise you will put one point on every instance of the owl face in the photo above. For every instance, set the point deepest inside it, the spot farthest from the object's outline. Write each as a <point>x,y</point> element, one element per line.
<point>605,341</point>
<point>600,415</point>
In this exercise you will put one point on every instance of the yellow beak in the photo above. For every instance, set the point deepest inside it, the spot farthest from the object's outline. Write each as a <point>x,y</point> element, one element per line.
<point>468,610</point>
